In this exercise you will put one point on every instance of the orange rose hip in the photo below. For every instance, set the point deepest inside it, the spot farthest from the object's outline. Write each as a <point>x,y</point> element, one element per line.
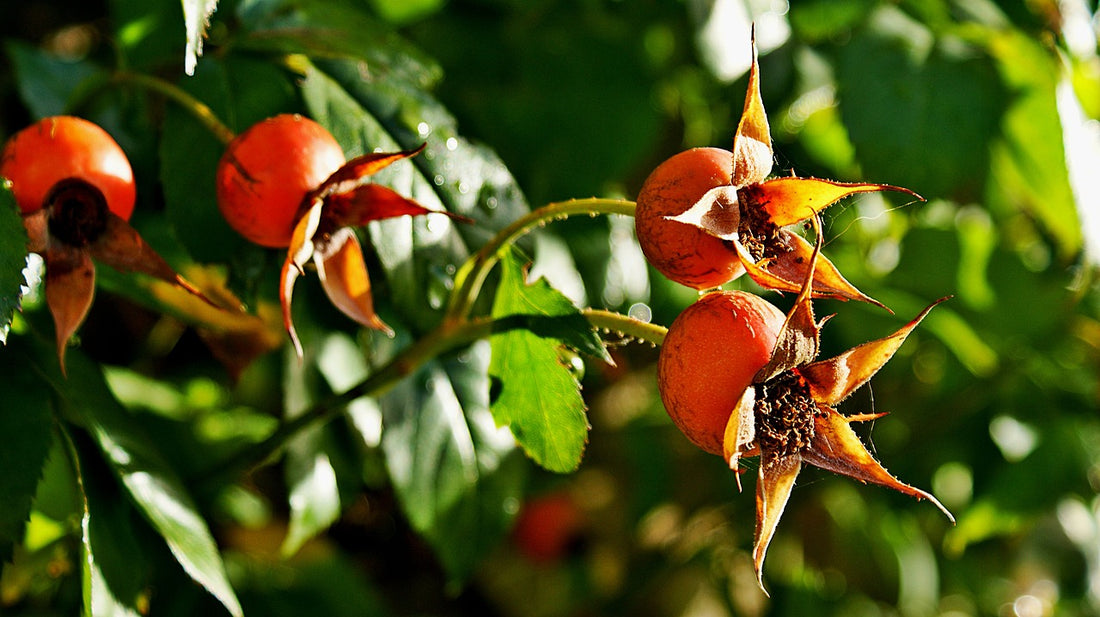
<point>266,172</point>
<point>712,351</point>
<point>684,253</point>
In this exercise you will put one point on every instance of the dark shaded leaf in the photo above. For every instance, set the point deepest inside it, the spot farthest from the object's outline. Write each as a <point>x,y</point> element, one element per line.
<point>335,29</point>
<point>454,470</point>
<point>26,421</point>
<point>13,258</point>
<point>45,82</point>
<point>115,568</point>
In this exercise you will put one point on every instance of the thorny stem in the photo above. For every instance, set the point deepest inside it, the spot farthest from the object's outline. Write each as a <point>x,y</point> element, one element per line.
<point>471,276</point>
<point>201,111</point>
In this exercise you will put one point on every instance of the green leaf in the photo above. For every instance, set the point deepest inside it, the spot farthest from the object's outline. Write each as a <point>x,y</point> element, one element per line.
<point>45,82</point>
<point>455,472</point>
<point>334,29</point>
<point>152,484</point>
<point>904,93</point>
<point>545,311</point>
<point>114,567</point>
<point>13,258</point>
<point>26,421</point>
<point>820,20</point>
<point>196,17</point>
<point>311,479</point>
<point>536,394</point>
<point>1029,160</point>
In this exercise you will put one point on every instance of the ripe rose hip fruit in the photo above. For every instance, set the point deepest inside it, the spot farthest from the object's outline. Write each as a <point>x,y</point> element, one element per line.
<point>712,351</point>
<point>266,172</point>
<point>685,253</point>
<point>549,527</point>
<point>75,188</point>
<point>39,157</point>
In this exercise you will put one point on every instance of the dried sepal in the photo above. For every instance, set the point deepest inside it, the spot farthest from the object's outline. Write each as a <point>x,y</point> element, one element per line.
<point>787,416</point>
<point>356,171</point>
<point>717,212</point>
<point>372,202</point>
<point>740,431</point>
<point>122,247</point>
<point>800,336</point>
<point>70,287</point>
<point>833,380</point>
<point>752,143</point>
<point>37,226</point>
<point>343,274</point>
<point>773,489</point>
<point>790,200</point>
<point>788,270</point>
<point>324,235</point>
<point>752,211</point>
<point>837,448</point>
<point>298,254</point>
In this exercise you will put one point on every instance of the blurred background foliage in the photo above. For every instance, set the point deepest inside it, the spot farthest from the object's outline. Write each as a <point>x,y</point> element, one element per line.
<point>988,109</point>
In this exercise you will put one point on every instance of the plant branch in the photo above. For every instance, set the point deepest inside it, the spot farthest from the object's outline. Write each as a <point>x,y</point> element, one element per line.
<point>471,276</point>
<point>448,336</point>
<point>201,111</point>
<point>611,321</point>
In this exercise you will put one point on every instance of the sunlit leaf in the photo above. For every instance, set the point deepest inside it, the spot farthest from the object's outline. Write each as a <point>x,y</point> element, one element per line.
<point>1029,158</point>
<point>535,394</point>
<point>314,497</point>
<point>196,18</point>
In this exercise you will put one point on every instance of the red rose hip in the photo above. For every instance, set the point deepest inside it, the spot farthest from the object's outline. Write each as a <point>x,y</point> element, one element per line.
<point>65,148</point>
<point>266,173</point>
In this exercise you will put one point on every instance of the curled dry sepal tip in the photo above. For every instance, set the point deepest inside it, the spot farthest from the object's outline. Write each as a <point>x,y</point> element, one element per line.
<point>788,416</point>
<point>325,234</point>
<point>752,211</point>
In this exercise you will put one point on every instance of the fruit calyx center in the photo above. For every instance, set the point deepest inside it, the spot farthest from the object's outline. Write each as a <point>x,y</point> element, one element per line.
<point>784,413</point>
<point>77,212</point>
<point>756,231</point>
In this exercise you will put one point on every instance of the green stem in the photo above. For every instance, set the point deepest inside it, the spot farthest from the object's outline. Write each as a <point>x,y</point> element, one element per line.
<point>471,276</point>
<point>611,321</point>
<point>201,111</point>
<point>449,335</point>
